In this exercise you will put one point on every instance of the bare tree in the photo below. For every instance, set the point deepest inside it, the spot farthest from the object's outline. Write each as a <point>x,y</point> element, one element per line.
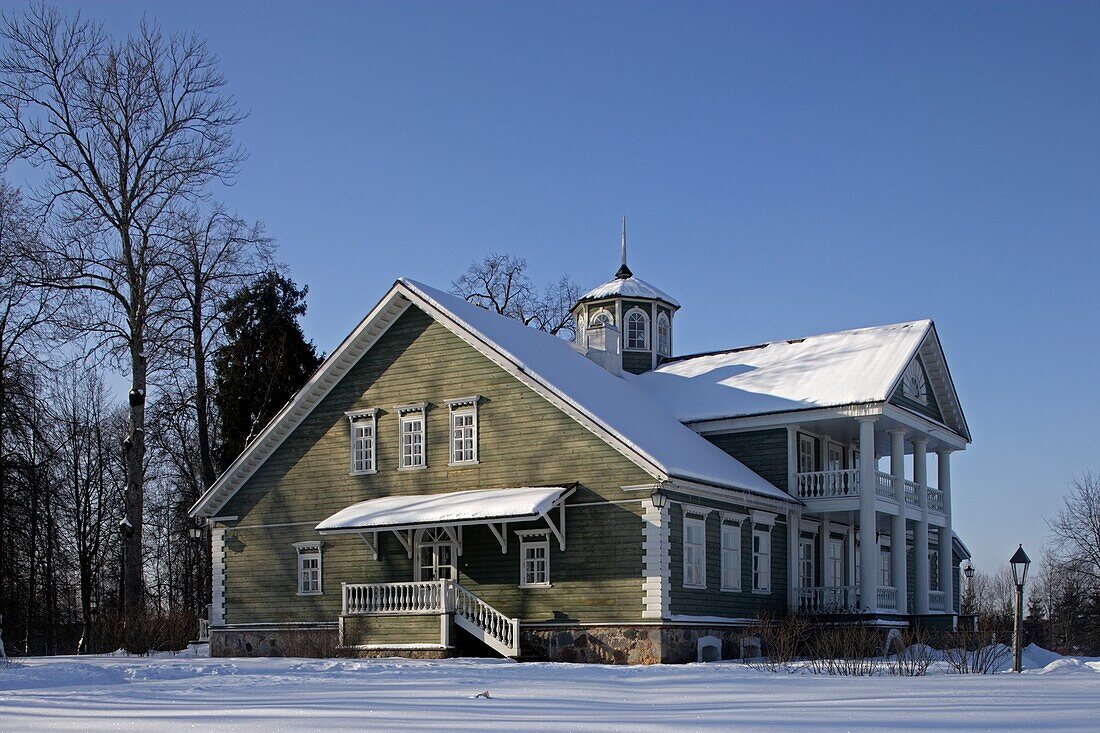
<point>127,130</point>
<point>1076,529</point>
<point>499,282</point>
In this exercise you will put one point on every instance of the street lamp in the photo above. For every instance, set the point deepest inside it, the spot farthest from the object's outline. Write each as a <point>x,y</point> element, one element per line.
<point>1020,563</point>
<point>658,498</point>
<point>968,571</point>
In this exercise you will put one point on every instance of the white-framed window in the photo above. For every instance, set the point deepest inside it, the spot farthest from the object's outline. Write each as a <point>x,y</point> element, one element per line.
<point>884,565</point>
<point>364,428</point>
<point>309,568</point>
<point>602,316</point>
<point>731,556</point>
<point>637,329</point>
<point>762,560</point>
<point>463,431</point>
<point>805,563</point>
<point>807,453</point>
<point>695,552</point>
<point>534,560</point>
<point>412,436</point>
<point>664,335</point>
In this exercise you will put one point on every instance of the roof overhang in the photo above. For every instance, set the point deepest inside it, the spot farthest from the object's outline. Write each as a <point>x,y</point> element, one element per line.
<point>455,508</point>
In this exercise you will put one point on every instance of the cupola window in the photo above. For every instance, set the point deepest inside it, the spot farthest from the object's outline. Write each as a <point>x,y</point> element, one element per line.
<point>637,330</point>
<point>664,336</point>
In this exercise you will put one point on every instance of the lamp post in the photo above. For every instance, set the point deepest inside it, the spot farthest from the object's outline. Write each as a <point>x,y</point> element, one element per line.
<point>1020,563</point>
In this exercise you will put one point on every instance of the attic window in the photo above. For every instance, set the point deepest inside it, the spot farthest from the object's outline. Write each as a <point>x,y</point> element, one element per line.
<point>601,318</point>
<point>637,330</point>
<point>913,383</point>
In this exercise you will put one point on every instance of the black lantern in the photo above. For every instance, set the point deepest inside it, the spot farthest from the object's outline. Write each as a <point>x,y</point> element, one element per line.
<point>658,498</point>
<point>968,570</point>
<point>1020,563</point>
<point>196,532</point>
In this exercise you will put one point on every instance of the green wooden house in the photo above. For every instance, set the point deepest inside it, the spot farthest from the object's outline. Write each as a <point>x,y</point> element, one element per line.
<point>453,482</point>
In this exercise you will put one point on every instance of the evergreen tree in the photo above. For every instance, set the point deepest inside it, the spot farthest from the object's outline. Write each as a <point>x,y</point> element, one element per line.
<point>265,360</point>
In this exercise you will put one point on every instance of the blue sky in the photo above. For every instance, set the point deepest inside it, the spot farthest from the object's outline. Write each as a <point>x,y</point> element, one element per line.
<point>786,169</point>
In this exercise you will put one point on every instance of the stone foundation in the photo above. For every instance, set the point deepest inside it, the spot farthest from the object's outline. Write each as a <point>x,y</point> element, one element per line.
<point>404,653</point>
<point>307,642</point>
<point>627,644</point>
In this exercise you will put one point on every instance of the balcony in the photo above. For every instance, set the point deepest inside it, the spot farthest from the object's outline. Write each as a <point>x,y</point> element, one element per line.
<point>828,491</point>
<point>845,599</point>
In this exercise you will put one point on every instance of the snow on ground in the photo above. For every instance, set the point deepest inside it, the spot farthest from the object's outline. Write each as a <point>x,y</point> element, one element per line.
<point>173,693</point>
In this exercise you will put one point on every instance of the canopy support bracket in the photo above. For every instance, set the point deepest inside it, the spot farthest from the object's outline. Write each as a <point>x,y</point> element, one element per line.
<point>371,538</point>
<point>558,532</point>
<point>406,541</point>
<point>501,535</point>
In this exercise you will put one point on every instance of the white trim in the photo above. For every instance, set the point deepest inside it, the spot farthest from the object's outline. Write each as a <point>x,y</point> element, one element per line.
<point>357,420</point>
<point>667,351</point>
<point>467,407</point>
<point>766,542</point>
<point>696,511</point>
<point>655,561</point>
<point>701,523</point>
<point>305,552</point>
<point>217,576</point>
<point>626,330</point>
<point>527,541</point>
<point>727,517</point>
<point>735,530</point>
<point>601,311</point>
<point>407,416</point>
<point>763,518</point>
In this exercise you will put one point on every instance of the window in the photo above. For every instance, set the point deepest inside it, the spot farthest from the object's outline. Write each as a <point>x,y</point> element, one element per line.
<point>695,553</point>
<point>731,557</point>
<point>806,563</point>
<point>435,552</point>
<point>762,560</point>
<point>601,318</point>
<point>309,568</point>
<point>412,437</point>
<point>807,454</point>
<point>363,428</point>
<point>463,431</point>
<point>637,330</point>
<point>664,335</point>
<point>534,560</point>
<point>884,565</point>
<point>914,385</point>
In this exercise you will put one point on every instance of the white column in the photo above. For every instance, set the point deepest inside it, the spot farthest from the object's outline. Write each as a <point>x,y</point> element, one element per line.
<point>897,522</point>
<point>947,559</point>
<point>868,547</point>
<point>851,550</point>
<point>922,579</point>
<point>824,531</point>
<point>794,583</point>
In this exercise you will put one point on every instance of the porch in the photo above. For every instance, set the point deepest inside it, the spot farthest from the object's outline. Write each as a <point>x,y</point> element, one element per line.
<point>391,606</point>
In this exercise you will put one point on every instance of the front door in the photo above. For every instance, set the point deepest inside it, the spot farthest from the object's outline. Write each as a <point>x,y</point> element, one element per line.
<point>435,553</point>
<point>834,563</point>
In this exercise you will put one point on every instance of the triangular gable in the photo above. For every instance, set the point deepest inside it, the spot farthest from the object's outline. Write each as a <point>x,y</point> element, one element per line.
<point>639,429</point>
<point>942,404</point>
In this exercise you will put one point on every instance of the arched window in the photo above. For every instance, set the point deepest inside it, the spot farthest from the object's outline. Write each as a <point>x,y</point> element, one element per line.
<point>637,330</point>
<point>601,317</point>
<point>664,335</point>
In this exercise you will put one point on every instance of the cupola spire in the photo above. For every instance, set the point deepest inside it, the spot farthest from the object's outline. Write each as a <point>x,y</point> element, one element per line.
<point>624,272</point>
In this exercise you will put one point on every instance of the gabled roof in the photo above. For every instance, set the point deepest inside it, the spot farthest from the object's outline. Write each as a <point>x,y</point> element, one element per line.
<point>629,287</point>
<point>853,367</point>
<point>615,409</point>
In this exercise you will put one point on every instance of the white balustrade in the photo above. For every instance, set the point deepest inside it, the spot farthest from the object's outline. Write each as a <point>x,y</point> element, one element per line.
<point>393,598</point>
<point>912,493</point>
<point>884,485</point>
<point>887,598</point>
<point>935,500</point>
<point>828,484</point>
<point>829,599</point>
<point>935,600</point>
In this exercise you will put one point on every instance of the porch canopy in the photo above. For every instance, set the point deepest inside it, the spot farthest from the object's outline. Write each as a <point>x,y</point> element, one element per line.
<point>402,515</point>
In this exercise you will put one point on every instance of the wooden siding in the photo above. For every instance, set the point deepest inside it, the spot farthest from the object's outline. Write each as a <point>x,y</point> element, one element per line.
<point>523,441</point>
<point>764,451</point>
<point>932,409</point>
<point>712,601</point>
<point>393,629</point>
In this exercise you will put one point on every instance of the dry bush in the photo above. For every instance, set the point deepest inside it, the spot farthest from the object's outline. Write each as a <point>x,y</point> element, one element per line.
<point>313,644</point>
<point>913,655</point>
<point>151,632</point>
<point>782,640</point>
<point>984,651</point>
<point>848,650</point>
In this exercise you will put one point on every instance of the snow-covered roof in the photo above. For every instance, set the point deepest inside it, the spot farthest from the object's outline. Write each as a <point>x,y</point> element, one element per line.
<point>453,507</point>
<point>615,403</point>
<point>833,369</point>
<point>629,287</point>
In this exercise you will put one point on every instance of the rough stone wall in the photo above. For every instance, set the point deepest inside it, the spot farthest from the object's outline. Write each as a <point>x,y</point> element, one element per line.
<point>626,644</point>
<point>274,643</point>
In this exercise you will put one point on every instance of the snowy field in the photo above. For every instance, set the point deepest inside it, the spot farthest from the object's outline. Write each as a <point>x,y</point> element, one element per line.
<point>176,693</point>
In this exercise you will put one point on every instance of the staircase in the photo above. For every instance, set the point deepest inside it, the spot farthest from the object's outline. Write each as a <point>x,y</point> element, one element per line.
<point>471,613</point>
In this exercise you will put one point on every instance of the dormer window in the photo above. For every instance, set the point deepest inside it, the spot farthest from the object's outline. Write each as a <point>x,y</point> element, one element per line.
<point>913,383</point>
<point>664,335</point>
<point>637,330</point>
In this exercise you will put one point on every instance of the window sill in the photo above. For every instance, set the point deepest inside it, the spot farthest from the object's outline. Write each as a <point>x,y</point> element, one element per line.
<point>757,592</point>
<point>464,464</point>
<point>730,590</point>
<point>694,587</point>
<point>536,586</point>
<point>311,593</point>
<point>363,473</point>
<point>412,468</point>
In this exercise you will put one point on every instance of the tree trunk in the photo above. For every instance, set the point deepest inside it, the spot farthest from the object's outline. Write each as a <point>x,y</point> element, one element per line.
<point>133,585</point>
